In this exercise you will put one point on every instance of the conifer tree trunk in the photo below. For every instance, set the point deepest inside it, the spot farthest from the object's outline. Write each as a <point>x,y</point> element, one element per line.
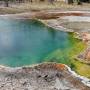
<point>6,3</point>
<point>69,1</point>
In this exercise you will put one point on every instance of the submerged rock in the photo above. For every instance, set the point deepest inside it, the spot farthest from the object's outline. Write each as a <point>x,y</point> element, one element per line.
<point>46,76</point>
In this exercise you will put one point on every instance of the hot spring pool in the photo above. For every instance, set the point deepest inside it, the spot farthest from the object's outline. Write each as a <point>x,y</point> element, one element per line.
<point>25,42</point>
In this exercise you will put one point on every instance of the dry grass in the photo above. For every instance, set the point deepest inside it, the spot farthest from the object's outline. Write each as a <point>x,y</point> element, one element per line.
<point>35,6</point>
<point>56,5</point>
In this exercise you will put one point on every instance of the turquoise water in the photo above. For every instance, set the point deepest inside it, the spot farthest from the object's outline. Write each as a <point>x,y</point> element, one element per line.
<point>24,42</point>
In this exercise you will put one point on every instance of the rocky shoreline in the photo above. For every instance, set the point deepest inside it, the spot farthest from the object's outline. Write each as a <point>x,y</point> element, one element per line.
<point>46,76</point>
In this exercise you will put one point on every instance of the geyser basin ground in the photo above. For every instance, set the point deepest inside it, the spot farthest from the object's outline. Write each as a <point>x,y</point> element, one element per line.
<point>46,76</point>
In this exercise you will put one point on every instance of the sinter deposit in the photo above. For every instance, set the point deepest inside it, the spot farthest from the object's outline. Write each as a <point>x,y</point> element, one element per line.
<point>47,76</point>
